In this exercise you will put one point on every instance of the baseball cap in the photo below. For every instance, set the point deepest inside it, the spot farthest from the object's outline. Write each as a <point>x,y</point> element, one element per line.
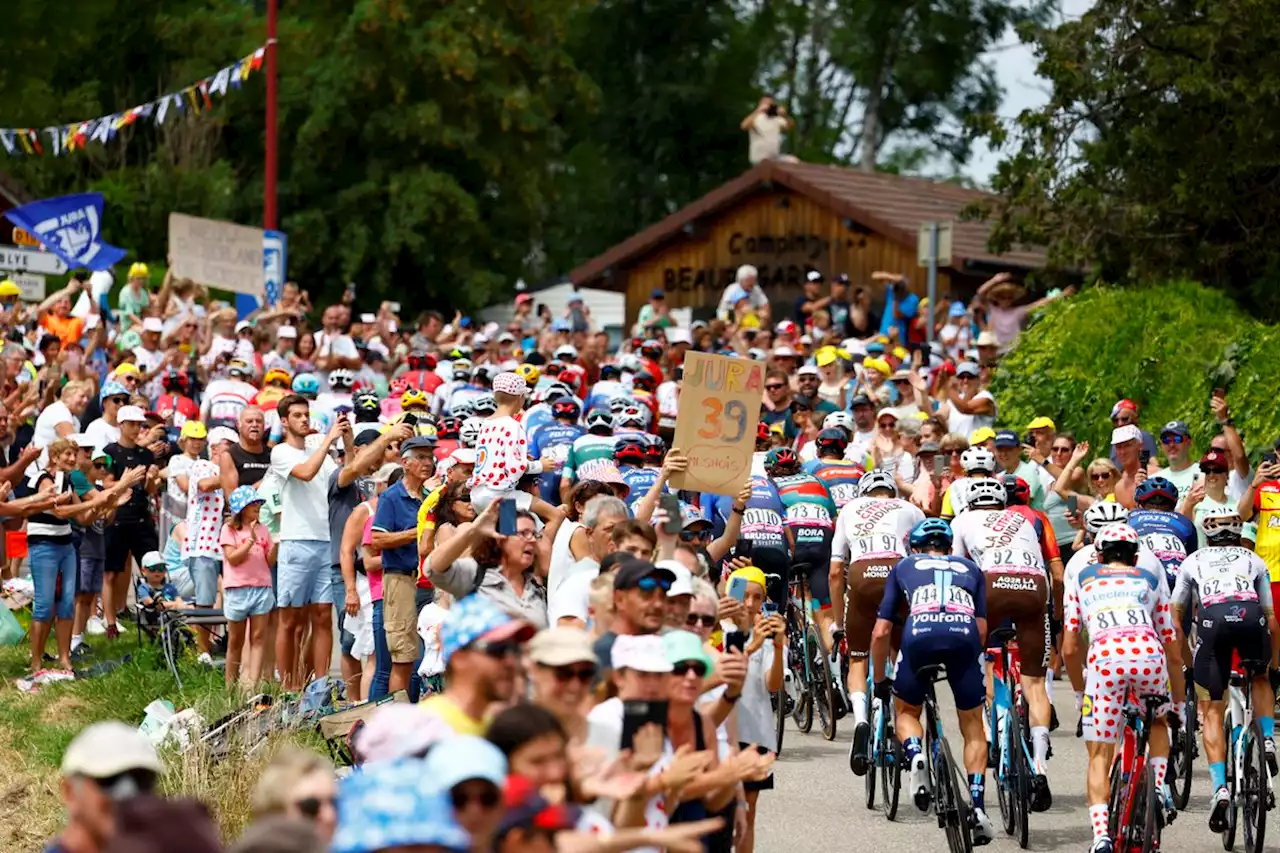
<point>1042,423</point>
<point>387,806</point>
<point>127,368</point>
<point>657,293</point>
<point>243,326</point>
<point>967,368</point>
<point>752,574</point>
<point>633,571</point>
<point>112,388</point>
<point>131,414</point>
<point>521,298</point>
<point>506,338</point>
<point>193,429</point>
<point>986,339</point>
<point>981,434</point>
<point>957,309</point>
<point>474,618</point>
<point>690,516</point>
<point>683,584</point>
<point>1128,432</point>
<point>286,332</point>
<point>109,748</point>
<point>875,348</point>
<point>367,437</point>
<point>417,442</point>
<point>463,456</point>
<point>643,653</point>
<point>859,400</point>
<point>83,440</point>
<point>384,474</point>
<point>685,646</point>
<point>222,433</point>
<point>678,336</point>
<point>813,276</point>
<point>808,370</point>
<point>153,324</point>
<point>785,352</point>
<point>8,288</point>
<point>561,646</point>
<point>464,757</point>
<point>1175,428</point>
<point>153,560</point>
<point>929,447</point>
<point>1123,404</point>
<point>1007,438</point>
<point>891,412</point>
<point>1216,460</point>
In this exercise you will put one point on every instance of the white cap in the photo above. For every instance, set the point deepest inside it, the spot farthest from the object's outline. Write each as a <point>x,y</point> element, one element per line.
<point>1128,432</point>
<point>463,456</point>
<point>82,440</point>
<point>506,338</point>
<point>223,434</point>
<point>683,584</point>
<point>643,653</point>
<point>678,336</point>
<point>153,324</point>
<point>242,325</point>
<point>785,352</point>
<point>286,332</point>
<point>568,351</point>
<point>152,559</point>
<point>107,749</point>
<point>368,318</point>
<point>808,370</point>
<point>131,414</point>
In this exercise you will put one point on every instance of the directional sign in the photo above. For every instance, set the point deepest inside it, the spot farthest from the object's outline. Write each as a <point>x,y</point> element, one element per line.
<point>923,243</point>
<point>31,260</point>
<point>32,286</point>
<point>23,237</point>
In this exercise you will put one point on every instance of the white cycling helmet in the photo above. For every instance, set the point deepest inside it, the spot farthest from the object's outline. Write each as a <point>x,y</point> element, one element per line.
<point>602,418</point>
<point>341,378</point>
<point>978,459</point>
<point>986,494</point>
<point>631,363</point>
<point>632,417</point>
<point>877,479</point>
<point>1103,513</point>
<point>1222,523</point>
<point>469,433</point>
<point>484,405</point>
<point>841,420</point>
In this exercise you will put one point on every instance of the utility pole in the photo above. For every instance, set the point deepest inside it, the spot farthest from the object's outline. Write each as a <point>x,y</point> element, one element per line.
<point>269,217</point>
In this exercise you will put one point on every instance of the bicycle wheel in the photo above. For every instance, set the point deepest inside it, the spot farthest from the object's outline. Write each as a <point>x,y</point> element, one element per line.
<point>1183,753</point>
<point>1147,802</point>
<point>780,717</point>
<point>876,745</point>
<point>1019,780</point>
<point>802,711</point>
<point>1233,786</point>
<point>821,690</point>
<point>1000,775</point>
<point>1253,790</point>
<point>1116,801</point>
<point>891,758</point>
<point>959,831</point>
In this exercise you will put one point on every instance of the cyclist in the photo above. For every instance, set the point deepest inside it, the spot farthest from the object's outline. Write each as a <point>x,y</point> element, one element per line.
<point>946,602</point>
<point>1235,615</point>
<point>608,388</point>
<point>870,538</point>
<point>763,533</point>
<point>1132,646</point>
<point>842,421</point>
<point>1014,552</point>
<point>555,439</point>
<point>838,474</point>
<point>810,525</point>
<point>368,409</point>
<point>978,463</point>
<point>598,443</point>
<point>1169,535</point>
<point>630,454</point>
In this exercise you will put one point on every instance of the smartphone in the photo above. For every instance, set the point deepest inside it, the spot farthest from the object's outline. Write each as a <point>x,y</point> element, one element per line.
<point>410,418</point>
<point>1219,392</point>
<point>507,517</point>
<point>770,608</point>
<point>744,548</point>
<point>939,465</point>
<point>637,713</point>
<point>349,294</point>
<point>1270,457</point>
<point>671,506</point>
<point>1144,458</point>
<point>737,588</point>
<point>735,640</point>
<point>1073,504</point>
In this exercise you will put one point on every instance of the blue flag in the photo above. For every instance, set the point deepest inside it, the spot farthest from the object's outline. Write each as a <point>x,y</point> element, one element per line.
<point>70,226</point>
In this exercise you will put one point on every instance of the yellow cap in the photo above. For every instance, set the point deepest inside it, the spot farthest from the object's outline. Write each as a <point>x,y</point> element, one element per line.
<point>749,321</point>
<point>1042,423</point>
<point>127,368</point>
<point>194,429</point>
<point>878,364</point>
<point>8,288</point>
<point>900,353</point>
<point>922,416</point>
<point>825,356</point>
<point>980,435</point>
<point>139,270</point>
<point>752,575</point>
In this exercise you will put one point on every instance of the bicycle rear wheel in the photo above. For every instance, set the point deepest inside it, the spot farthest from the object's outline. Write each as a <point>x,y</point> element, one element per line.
<point>1253,790</point>
<point>876,745</point>
<point>1148,799</point>
<point>821,689</point>
<point>891,758</point>
<point>1001,774</point>
<point>1019,780</point>
<point>1233,787</point>
<point>1184,752</point>
<point>802,711</point>
<point>956,813</point>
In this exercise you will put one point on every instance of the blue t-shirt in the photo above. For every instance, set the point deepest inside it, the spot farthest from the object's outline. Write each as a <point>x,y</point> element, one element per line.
<point>553,438</point>
<point>944,595</point>
<point>398,511</point>
<point>1169,535</point>
<point>762,523</point>
<point>910,306</point>
<point>167,592</point>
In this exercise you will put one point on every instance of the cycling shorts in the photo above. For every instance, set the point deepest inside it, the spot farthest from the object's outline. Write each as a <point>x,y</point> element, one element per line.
<point>865,591</point>
<point>958,654</point>
<point>774,561</point>
<point>819,560</point>
<point>1119,665</point>
<point>1023,600</point>
<point>1221,629</point>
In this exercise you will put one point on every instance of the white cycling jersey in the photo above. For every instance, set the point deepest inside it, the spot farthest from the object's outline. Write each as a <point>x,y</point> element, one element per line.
<point>999,540</point>
<point>1088,555</point>
<point>1221,575</point>
<point>874,529</point>
<point>1129,604</point>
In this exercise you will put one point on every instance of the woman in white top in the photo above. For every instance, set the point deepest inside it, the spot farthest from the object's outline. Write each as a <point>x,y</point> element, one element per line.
<point>61,419</point>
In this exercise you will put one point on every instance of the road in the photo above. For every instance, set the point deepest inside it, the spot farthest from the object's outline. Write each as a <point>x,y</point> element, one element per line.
<point>819,805</point>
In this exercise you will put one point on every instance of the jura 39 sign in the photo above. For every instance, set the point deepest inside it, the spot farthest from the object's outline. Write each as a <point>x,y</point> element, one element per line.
<point>716,427</point>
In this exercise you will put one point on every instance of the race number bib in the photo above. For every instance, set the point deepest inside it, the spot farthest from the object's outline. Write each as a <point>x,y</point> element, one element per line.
<point>1167,547</point>
<point>930,599</point>
<point>842,493</point>
<point>876,545</point>
<point>1013,561</point>
<point>1225,588</point>
<point>808,514</point>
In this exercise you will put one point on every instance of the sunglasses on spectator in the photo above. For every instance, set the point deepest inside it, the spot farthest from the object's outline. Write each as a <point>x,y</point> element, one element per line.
<point>583,674</point>
<point>774,387</point>
<point>1122,420</point>
<point>1212,470</point>
<point>311,806</point>
<point>461,798</point>
<point>1097,478</point>
<point>128,784</point>
<point>684,667</point>
<point>694,535</point>
<point>650,584</point>
<point>1063,449</point>
<point>708,620</point>
<point>497,649</point>
<point>1170,438</point>
<point>118,400</point>
<point>954,452</point>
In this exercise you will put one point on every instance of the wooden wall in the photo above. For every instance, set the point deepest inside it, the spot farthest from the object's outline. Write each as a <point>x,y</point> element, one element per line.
<point>784,235</point>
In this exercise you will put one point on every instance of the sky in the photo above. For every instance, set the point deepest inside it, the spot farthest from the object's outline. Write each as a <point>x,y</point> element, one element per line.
<point>1023,88</point>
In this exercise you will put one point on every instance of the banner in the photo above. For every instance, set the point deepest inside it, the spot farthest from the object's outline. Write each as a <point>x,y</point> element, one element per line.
<point>217,254</point>
<point>716,426</point>
<point>196,98</point>
<point>70,227</point>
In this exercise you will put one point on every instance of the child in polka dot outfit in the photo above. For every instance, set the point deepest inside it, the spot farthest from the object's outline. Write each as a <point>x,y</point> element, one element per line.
<point>502,450</point>
<point>1132,650</point>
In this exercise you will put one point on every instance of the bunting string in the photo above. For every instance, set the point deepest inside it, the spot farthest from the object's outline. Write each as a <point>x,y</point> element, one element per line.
<point>193,99</point>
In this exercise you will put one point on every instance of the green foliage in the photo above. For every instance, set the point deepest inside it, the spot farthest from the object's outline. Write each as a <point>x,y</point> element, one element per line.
<point>1164,347</point>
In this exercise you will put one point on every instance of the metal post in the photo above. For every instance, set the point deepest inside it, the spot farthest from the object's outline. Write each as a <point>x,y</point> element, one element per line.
<point>933,283</point>
<point>269,170</point>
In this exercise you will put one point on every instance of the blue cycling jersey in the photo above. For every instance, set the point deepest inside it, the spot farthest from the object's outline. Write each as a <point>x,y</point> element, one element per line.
<point>943,595</point>
<point>554,439</point>
<point>640,480</point>
<point>1170,535</point>
<point>762,523</point>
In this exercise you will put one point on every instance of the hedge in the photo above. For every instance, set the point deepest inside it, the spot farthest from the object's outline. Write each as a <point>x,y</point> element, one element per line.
<point>1165,347</point>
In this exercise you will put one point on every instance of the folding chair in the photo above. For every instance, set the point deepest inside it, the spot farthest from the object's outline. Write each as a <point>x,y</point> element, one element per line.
<point>174,630</point>
<point>340,728</point>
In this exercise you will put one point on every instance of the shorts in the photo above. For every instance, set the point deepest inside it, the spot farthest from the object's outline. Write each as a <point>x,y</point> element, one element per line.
<point>241,602</point>
<point>204,574</point>
<point>89,579</point>
<point>765,784</point>
<point>1221,629</point>
<point>1118,666</point>
<point>957,653</point>
<point>774,561</point>
<point>866,589</point>
<point>129,538</point>
<point>304,577</point>
<point>819,560</point>
<point>1023,599</point>
<point>400,616</point>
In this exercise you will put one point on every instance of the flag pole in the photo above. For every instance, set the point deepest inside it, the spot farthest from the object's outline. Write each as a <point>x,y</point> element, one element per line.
<point>269,183</point>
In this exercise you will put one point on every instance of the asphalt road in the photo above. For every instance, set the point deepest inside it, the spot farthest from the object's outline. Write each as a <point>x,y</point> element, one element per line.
<point>819,805</point>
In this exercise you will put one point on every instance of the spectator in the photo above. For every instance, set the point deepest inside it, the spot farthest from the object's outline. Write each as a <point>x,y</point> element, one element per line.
<point>1175,441</point>
<point>134,531</point>
<point>202,550</point>
<point>601,515</point>
<point>745,286</point>
<point>298,784</point>
<point>900,305</point>
<point>472,771</point>
<point>279,834</point>
<point>1005,318</point>
<point>248,555</point>
<point>562,666</point>
<point>764,126</point>
<point>148,824</point>
<point>969,405</point>
<point>655,314</point>
<point>386,807</point>
<point>639,604</point>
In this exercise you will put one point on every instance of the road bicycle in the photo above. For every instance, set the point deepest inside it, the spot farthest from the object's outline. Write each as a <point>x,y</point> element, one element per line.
<point>1010,751</point>
<point>807,676</point>
<point>886,758</point>
<point>1183,749</point>
<point>955,816</point>
<point>1248,776</point>
<point>1136,811</point>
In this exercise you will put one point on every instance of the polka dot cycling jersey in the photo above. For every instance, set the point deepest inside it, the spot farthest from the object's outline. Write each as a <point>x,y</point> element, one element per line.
<point>1119,669</point>
<point>502,454</point>
<point>1222,576</point>
<point>1123,602</point>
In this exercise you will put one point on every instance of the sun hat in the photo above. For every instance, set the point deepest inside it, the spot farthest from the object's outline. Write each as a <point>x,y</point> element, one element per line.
<point>393,804</point>
<point>683,646</point>
<point>109,748</point>
<point>561,646</point>
<point>510,383</point>
<point>241,497</point>
<point>639,652</point>
<point>193,429</point>
<point>474,618</point>
<point>464,757</point>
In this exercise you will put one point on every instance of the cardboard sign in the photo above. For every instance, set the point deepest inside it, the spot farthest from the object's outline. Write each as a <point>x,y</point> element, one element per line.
<point>716,426</point>
<point>217,254</point>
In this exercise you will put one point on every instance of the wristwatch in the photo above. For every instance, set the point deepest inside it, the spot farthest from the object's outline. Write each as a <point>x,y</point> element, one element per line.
<point>739,510</point>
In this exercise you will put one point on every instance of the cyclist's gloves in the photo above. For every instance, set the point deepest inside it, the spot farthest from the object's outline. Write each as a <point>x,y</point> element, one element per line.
<point>884,689</point>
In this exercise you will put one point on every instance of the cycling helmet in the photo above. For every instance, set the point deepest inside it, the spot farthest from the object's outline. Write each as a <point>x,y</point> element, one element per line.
<point>618,404</point>
<point>1222,525</point>
<point>414,397</point>
<point>239,367</point>
<point>1103,513</point>
<point>762,432</point>
<point>556,391</point>
<point>306,383</point>
<point>630,363</point>
<point>341,378</point>
<point>419,360</point>
<point>367,401</point>
<point>461,369</point>
<point>1156,488</point>
<point>566,409</point>
<point>1017,490</point>
<point>484,406</point>
<point>978,459</point>
<point>629,450</point>
<point>463,409</point>
<point>931,533</point>
<point>566,352</point>
<point>1117,543</point>
<point>177,379</point>
<point>553,367</point>
<point>644,381</point>
<point>276,374</point>
<point>781,457</point>
<point>483,374</point>
<point>986,494</point>
<point>529,373</point>
<point>448,427</point>
<point>469,432</point>
<point>876,480</point>
<point>632,417</point>
<point>832,442</point>
<point>651,348</point>
<point>574,378</point>
<point>600,421</point>
<point>839,420</point>
<point>610,372</point>
<point>655,449</point>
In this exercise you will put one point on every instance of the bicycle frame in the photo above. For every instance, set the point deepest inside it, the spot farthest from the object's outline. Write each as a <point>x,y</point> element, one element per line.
<point>1007,692</point>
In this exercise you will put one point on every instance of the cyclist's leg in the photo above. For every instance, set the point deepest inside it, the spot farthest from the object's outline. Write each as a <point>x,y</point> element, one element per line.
<point>1251,638</point>
<point>1106,682</point>
<point>1030,610</point>
<point>819,561</point>
<point>909,694</point>
<point>866,589</point>
<point>965,677</point>
<point>1211,669</point>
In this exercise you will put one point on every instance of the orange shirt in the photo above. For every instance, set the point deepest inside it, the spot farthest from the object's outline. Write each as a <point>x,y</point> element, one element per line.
<point>66,329</point>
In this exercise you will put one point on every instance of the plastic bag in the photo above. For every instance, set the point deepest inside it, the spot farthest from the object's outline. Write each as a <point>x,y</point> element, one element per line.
<point>11,632</point>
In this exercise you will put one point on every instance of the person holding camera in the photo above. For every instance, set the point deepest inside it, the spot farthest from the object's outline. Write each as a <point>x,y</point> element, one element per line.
<point>765,126</point>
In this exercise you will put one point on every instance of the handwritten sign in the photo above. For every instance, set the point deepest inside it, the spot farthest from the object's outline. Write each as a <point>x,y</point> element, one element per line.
<point>217,254</point>
<point>716,427</point>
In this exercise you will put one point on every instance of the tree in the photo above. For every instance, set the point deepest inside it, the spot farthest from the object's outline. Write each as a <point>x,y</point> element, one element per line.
<point>1156,153</point>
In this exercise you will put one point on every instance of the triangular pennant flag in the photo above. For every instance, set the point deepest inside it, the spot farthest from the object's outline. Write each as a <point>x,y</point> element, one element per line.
<point>35,141</point>
<point>146,110</point>
<point>191,97</point>
<point>24,142</point>
<point>204,91</point>
<point>6,139</point>
<point>258,54</point>
<point>220,81</point>
<point>55,137</point>
<point>235,74</point>
<point>162,109</point>
<point>101,129</point>
<point>179,102</point>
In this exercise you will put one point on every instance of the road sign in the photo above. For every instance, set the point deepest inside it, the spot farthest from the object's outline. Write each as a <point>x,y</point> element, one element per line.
<point>31,260</point>
<point>275,247</point>
<point>32,286</point>
<point>944,243</point>
<point>23,237</point>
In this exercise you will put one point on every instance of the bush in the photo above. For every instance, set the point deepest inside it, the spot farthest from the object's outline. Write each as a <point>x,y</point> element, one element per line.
<point>1165,347</point>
